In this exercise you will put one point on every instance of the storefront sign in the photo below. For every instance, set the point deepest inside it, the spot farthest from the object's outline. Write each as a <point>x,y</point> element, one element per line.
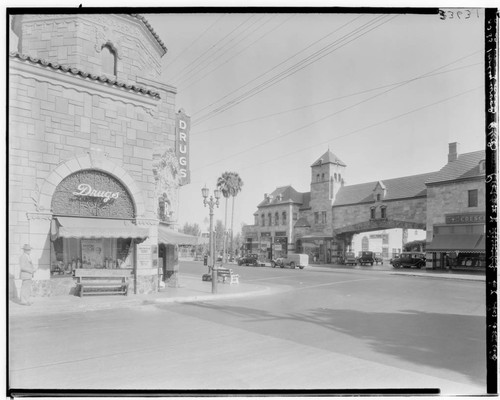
<point>469,218</point>
<point>182,126</point>
<point>144,256</point>
<point>85,189</point>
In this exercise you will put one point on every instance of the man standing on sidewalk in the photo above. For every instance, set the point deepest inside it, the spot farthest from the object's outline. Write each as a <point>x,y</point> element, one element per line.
<point>27,270</point>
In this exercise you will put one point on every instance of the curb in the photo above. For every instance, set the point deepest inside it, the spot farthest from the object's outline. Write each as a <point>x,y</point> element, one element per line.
<point>456,277</point>
<point>208,297</point>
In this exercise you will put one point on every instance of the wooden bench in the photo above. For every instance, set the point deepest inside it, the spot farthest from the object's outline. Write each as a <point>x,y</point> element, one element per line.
<point>96,282</point>
<point>227,273</point>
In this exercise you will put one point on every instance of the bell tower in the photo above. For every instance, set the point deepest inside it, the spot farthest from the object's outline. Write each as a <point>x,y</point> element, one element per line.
<point>327,177</point>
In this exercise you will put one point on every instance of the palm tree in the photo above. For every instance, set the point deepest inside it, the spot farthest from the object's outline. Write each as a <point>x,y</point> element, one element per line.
<point>224,185</point>
<point>237,184</point>
<point>229,183</point>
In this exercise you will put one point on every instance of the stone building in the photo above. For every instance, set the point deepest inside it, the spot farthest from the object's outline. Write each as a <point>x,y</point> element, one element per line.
<point>456,212</point>
<point>92,134</point>
<point>324,221</point>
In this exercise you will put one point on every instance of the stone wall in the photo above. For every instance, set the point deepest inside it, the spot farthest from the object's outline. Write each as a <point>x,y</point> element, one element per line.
<point>452,198</point>
<point>77,39</point>
<point>407,210</point>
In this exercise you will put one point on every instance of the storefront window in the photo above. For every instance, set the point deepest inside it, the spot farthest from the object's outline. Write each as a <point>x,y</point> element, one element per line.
<point>69,254</point>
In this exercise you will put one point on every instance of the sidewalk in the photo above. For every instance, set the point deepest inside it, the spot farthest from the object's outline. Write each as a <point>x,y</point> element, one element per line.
<point>426,273</point>
<point>191,288</point>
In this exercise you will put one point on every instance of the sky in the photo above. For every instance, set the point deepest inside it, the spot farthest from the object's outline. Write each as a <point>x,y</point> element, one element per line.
<point>268,94</point>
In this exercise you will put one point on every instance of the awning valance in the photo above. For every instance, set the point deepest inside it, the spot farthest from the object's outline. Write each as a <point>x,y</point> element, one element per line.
<point>75,227</point>
<point>169,236</point>
<point>464,243</point>
<point>313,237</point>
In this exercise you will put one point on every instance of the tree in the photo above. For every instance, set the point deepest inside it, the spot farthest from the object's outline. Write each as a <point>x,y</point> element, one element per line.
<point>229,183</point>
<point>219,235</point>
<point>189,229</point>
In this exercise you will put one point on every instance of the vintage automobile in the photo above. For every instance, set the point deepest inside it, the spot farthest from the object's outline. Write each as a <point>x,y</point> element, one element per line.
<point>291,260</point>
<point>350,258</point>
<point>366,257</point>
<point>249,259</point>
<point>409,260</point>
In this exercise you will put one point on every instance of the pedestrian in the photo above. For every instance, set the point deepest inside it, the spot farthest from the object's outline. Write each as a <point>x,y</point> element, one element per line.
<point>27,270</point>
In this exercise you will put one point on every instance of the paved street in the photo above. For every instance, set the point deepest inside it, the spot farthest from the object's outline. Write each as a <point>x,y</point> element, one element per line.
<point>327,328</point>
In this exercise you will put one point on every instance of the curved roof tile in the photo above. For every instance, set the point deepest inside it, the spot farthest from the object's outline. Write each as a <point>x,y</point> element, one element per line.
<point>148,25</point>
<point>83,74</point>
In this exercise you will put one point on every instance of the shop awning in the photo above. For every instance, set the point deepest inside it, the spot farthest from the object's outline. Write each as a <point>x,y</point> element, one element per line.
<point>74,227</point>
<point>464,243</point>
<point>319,236</point>
<point>169,236</point>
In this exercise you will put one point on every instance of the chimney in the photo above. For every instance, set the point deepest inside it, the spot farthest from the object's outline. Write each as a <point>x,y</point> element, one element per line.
<point>453,151</point>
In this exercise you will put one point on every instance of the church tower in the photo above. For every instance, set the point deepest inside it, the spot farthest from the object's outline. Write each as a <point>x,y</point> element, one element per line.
<point>327,177</point>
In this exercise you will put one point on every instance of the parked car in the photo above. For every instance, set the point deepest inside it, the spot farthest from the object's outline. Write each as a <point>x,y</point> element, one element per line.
<point>378,258</point>
<point>366,257</point>
<point>249,259</point>
<point>350,258</point>
<point>409,260</point>
<point>291,260</point>
<point>394,258</point>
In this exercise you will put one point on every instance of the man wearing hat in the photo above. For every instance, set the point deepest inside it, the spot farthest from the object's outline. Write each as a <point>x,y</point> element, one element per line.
<point>27,270</point>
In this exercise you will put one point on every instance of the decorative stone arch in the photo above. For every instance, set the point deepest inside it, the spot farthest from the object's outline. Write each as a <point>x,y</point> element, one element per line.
<point>88,161</point>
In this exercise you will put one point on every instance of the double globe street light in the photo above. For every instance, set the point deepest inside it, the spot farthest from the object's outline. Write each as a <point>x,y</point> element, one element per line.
<point>211,244</point>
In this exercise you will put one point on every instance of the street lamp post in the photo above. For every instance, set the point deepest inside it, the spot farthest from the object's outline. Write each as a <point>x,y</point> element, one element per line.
<point>211,203</point>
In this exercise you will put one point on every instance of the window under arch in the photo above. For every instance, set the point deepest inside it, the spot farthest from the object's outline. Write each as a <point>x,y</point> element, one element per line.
<point>108,58</point>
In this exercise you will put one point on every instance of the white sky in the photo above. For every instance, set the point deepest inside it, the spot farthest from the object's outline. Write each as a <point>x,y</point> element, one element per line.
<point>394,131</point>
<point>397,130</point>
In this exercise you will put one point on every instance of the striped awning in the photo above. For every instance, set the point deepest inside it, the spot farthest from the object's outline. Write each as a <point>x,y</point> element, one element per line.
<point>458,243</point>
<point>76,227</point>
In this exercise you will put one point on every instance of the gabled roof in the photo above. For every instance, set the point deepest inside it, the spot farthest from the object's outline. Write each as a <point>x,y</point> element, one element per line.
<point>302,223</point>
<point>465,166</point>
<point>288,193</point>
<point>328,157</point>
<point>151,30</point>
<point>397,188</point>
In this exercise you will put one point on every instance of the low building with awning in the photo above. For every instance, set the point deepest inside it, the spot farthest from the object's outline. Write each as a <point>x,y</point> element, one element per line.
<point>456,213</point>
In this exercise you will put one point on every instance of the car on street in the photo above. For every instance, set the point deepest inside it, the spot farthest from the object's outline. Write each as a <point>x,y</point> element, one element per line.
<point>350,258</point>
<point>291,260</point>
<point>366,257</point>
<point>409,260</point>
<point>249,259</point>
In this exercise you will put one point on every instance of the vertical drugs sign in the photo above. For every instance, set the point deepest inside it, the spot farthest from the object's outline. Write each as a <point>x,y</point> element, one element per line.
<point>182,126</point>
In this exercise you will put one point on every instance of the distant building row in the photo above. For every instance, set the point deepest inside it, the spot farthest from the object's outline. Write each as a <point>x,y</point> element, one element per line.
<point>449,205</point>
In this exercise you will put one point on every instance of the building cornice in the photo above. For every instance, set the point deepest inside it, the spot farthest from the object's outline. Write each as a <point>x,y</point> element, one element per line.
<point>460,180</point>
<point>38,68</point>
<point>65,69</point>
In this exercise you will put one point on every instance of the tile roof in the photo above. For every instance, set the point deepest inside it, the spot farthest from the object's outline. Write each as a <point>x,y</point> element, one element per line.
<point>328,157</point>
<point>397,188</point>
<point>148,25</point>
<point>287,193</point>
<point>82,74</point>
<point>302,223</point>
<point>465,166</point>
